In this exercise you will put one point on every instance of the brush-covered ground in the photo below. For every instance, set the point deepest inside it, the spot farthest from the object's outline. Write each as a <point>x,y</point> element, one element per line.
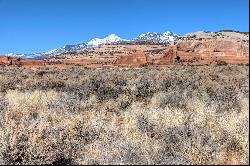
<point>172,115</point>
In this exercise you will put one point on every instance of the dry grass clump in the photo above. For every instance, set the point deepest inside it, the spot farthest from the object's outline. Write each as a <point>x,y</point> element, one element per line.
<point>175,115</point>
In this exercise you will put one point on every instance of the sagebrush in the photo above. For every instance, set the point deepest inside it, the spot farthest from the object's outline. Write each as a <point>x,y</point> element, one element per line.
<point>172,115</point>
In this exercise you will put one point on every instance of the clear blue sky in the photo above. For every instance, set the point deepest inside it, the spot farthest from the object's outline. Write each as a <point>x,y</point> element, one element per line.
<point>28,26</point>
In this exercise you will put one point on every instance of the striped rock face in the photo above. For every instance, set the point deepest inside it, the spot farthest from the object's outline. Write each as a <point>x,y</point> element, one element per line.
<point>199,48</point>
<point>206,48</point>
<point>137,59</point>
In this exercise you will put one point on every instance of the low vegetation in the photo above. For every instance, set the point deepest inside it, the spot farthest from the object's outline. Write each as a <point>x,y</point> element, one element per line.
<point>174,115</point>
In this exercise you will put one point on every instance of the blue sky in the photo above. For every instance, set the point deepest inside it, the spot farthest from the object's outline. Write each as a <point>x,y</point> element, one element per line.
<point>28,26</point>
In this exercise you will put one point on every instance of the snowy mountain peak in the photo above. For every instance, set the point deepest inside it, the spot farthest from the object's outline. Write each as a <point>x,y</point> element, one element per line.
<point>107,40</point>
<point>113,38</point>
<point>164,37</point>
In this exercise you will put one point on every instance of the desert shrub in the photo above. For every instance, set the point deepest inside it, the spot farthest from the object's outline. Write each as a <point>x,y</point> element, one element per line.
<point>145,87</point>
<point>226,99</point>
<point>124,101</point>
<point>48,84</point>
<point>3,104</point>
<point>219,62</point>
<point>22,150</point>
<point>165,157</point>
<point>8,83</point>
<point>119,81</point>
<point>34,141</point>
<point>83,134</point>
<point>176,142</point>
<point>3,108</point>
<point>107,91</point>
<point>103,89</point>
<point>81,91</point>
<point>65,102</point>
<point>173,99</point>
<point>44,71</point>
<point>172,115</point>
<point>132,154</point>
<point>144,125</point>
<point>62,160</point>
<point>186,140</point>
<point>243,84</point>
<point>173,82</point>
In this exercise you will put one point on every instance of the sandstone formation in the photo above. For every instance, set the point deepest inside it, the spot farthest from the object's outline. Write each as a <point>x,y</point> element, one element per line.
<point>10,61</point>
<point>138,59</point>
<point>18,62</point>
<point>168,58</point>
<point>206,48</point>
<point>198,48</point>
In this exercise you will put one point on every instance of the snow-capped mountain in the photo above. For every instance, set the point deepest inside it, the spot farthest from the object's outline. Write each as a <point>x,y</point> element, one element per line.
<point>54,52</point>
<point>164,37</point>
<point>96,42</point>
<point>65,49</point>
<point>113,38</point>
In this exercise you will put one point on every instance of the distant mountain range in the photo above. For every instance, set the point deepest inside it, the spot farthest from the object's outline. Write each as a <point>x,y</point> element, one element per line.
<point>165,37</point>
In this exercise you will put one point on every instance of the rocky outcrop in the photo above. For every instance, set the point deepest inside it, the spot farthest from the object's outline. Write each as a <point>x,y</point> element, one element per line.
<point>10,61</point>
<point>137,59</point>
<point>168,58</point>
<point>199,48</point>
<point>206,48</point>
<point>19,62</point>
